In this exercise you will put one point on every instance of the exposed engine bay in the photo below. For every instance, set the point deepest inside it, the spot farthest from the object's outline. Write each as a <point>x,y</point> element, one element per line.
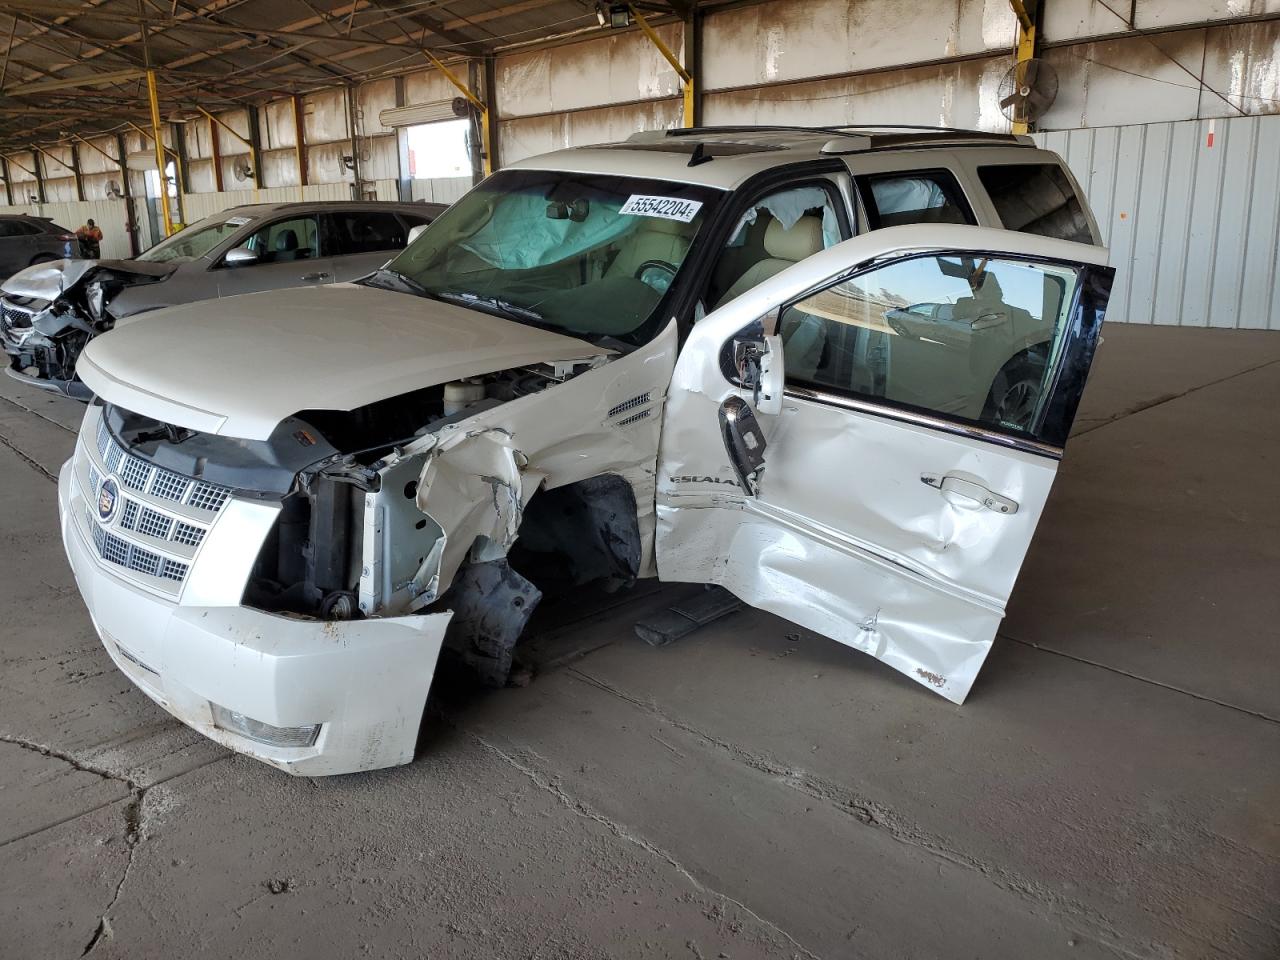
<point>373,502</point>
<point>48,313</point>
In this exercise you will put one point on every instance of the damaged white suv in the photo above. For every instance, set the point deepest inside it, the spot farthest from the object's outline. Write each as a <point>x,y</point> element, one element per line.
<point>830,370</point>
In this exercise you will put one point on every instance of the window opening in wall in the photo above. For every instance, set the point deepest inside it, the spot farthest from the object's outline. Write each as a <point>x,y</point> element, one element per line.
<point>438,151</point>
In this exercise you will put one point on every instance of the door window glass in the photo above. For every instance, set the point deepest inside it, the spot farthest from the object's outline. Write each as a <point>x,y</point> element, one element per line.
<point>1037,198</point>
<point>364,231</point>
<point>9,228</point>
<point>778,230</point>
<point>966,337</point>
<point>286,240</point>
<point>920,196</point>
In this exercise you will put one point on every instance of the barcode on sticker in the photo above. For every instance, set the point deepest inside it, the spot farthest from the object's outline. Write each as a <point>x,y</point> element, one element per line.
<point>668,208</point>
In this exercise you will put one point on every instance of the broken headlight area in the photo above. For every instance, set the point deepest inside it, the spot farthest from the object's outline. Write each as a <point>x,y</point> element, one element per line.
<point>358,537</point>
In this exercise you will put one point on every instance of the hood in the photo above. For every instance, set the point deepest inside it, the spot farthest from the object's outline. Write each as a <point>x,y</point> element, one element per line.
<point>48,281</point>
<point>240,365</point>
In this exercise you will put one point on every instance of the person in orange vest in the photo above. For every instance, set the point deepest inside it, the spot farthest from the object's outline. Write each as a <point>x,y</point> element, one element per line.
<point>90,237</point>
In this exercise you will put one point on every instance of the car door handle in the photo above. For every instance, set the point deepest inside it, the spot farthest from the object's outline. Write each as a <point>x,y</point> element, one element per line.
<point>970,490</point>
<point>314,276</point>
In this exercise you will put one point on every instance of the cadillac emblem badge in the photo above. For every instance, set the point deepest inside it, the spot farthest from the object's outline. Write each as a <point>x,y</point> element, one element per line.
<point>108,500</point>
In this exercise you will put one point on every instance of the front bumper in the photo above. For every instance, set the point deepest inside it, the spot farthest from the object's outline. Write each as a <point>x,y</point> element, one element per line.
<point>365,681</point>
<point>72,388</point>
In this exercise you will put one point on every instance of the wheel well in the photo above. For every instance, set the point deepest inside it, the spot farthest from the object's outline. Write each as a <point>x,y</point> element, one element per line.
<point>578,533</point>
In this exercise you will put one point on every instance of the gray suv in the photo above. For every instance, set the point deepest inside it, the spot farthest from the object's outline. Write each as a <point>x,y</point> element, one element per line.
<point>49,311</point>
<point>25,240</point>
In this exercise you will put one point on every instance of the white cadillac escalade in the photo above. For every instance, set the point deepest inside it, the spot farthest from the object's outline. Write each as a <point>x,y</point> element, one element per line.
<point>831,370</point>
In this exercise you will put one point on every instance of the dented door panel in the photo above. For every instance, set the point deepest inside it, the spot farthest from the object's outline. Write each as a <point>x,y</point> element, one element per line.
<point>896,533</point>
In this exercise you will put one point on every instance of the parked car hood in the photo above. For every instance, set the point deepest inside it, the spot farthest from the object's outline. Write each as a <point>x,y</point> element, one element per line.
<point>239,365</point>
<point>48,281</point>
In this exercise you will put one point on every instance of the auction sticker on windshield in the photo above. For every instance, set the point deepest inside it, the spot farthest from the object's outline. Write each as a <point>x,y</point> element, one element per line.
<point>668,208</point>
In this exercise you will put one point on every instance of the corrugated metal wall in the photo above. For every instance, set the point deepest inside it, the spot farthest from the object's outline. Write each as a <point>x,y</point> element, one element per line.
<point>1191,212</point>
<point>107,214</point>
<point>197,206</point>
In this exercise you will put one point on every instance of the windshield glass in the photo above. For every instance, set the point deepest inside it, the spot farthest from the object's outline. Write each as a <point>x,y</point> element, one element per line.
<point>586,254</point>
<point>194,241</point>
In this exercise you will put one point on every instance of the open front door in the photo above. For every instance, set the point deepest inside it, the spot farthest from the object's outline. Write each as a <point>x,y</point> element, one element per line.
<point>885,496</point>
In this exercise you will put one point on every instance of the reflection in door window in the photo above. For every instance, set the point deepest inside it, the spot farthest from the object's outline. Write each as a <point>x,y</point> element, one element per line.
<point>971,338</point>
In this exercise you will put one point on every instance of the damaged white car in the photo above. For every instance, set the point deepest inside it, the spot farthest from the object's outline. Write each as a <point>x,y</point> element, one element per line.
<point>832,371</point>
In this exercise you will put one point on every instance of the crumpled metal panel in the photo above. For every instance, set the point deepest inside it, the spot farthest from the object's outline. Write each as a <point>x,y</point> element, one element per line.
<point>479,473</point>
<point>471,487</point>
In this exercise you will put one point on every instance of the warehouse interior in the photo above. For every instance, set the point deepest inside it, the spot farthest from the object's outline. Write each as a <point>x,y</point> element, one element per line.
<point>1109,788</point>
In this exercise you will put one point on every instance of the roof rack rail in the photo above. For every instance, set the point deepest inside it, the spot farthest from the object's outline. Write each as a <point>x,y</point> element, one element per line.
<point>834,128</point>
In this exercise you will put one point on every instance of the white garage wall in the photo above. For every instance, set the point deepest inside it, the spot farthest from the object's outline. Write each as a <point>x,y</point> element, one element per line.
<point>107,214</point>
<point>1191,212</point>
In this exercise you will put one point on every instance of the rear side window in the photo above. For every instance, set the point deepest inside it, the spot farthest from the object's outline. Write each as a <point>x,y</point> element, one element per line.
<point>368,232</point>
<point>1037,198</point>
<point>916,196</point>
<point>18,228</point>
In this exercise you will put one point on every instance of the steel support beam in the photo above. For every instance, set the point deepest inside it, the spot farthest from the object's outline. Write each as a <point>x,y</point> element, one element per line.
<point>41,197</point>
<point>183,179</point>
<point>131,218</point>
<point>355,142</point>
<point>1026,45</point>
<point>299,145</point>
<point>75,167</point>
<point>491,98</point>
<point>8,187</point>
<point>215,154</point>
<point>686,77</point>
<point>255,146</point>
<point>215,122</point>
<point>157,139</point>
<point>486,146</point>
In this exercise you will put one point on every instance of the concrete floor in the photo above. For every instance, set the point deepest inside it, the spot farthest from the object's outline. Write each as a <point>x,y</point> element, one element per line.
<point>1110,789</point>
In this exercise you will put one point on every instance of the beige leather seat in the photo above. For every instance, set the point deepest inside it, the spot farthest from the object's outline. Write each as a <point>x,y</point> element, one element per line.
<point>659,240</point>
<point>784,247</point>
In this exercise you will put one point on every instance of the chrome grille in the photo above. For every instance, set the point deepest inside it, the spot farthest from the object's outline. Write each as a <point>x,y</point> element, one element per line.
<point>94,479</point>
<point>121,552</point>
<point>206,496</point>
<point>136,474</point>
<point>129,514</point>
<point>187,534</point>
<point>173,570</point>
<point>154,524</point>
<point>168,485</point>
<point>144,561</point>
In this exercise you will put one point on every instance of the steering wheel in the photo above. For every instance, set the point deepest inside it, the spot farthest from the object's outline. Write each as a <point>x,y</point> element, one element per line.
<point>657,274</point>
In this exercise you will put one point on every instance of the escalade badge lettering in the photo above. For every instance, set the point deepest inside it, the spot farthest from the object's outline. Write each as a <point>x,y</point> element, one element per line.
<point>688,479</point>
<point>108,500</point>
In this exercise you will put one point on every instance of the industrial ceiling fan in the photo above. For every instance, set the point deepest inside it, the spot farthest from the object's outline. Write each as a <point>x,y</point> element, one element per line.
<point>1028,90</point>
